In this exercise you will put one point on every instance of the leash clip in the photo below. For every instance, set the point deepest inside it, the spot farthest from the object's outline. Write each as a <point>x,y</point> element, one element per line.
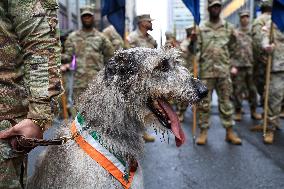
<point>65,139</point>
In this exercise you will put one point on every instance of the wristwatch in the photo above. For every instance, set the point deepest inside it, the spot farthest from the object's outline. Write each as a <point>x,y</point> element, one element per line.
<point>41,123</point>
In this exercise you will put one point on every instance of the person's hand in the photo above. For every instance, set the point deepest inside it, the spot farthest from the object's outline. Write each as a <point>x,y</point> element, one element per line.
<point>269,48</point>
<point>64,67</point>
<point>234,70</point>
<point>26,128</point>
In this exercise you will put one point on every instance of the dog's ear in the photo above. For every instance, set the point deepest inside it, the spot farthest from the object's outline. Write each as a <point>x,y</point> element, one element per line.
<point>123,64</point>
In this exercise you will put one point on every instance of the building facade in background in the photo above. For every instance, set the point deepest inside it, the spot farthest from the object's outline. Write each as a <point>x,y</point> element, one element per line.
<point>231,9</point>
<point>179,17</point>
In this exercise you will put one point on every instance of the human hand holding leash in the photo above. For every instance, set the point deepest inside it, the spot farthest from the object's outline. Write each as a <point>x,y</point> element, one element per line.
<point>26,128</point>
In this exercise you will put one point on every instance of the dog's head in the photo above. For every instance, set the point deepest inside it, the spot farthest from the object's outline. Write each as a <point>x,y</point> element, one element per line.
<point>149,78</point>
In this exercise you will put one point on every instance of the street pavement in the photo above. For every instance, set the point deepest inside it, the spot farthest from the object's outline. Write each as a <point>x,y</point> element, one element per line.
<point>217,165</point>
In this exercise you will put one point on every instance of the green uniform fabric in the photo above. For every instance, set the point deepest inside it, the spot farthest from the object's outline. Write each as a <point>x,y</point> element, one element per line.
<point>29,71</point>
<point>276,87</point>
<point>114,37</point>
<point>92,51</point>
<point>260,56</point>
<point>223,87</point>
<point>243,81</point>
<point>136,39</point>
<point>187,54</point>
<point>216,41</point>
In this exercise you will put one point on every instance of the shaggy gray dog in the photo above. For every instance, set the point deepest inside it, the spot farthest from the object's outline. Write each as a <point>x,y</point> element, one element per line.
<point>131,92</point>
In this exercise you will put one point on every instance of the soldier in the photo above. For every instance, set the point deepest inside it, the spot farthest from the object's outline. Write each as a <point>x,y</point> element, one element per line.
<point>242,69</point>
<point>187,55</point>
<point>216,40</point>
<point>186,47</point>
<point>114,37</point>
<point>260,56</point>
<point>171,40</point>
<point>29,79</point>
<point>140,37</point>
<point>276,87</point>
<point>91,49</point>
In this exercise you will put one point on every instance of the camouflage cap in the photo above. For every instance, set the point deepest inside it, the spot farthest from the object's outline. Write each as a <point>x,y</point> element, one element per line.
<point>214,2</point>
<point>266,3</point>
<point>144,17</point>
<point>244,13</point>
<point>87,10</point>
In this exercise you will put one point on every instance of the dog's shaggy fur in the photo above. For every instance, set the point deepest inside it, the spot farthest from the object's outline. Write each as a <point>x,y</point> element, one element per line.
<point>114,106</point>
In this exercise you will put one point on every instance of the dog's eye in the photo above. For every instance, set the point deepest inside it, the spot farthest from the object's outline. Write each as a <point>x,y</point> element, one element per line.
<point>164,66</point>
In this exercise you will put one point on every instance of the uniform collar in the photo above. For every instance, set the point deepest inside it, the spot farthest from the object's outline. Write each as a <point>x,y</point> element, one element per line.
<point>220,24</point>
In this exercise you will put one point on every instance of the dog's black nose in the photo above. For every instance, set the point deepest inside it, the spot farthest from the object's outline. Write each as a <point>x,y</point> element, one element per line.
<point>201,89</point>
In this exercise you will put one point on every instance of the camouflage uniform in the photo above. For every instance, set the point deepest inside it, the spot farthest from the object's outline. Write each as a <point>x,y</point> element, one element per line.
<point>186,48</point>
<point>171,41</point>
<point>260,56</point>
<point>136,39</point>
<point>276,87</point>
<point>29,72</point>
<point>92,50</point>
<point>187,55</point>
<point>114,37</point>
<point>215,42</point>
<point>243,81</point>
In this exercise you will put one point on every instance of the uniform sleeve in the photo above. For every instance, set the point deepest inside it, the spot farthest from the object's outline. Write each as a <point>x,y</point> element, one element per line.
<point>107,49</point>
<point>35,24</point>
<point>132,43</point>
<point>232,41</point>
<point>264,33</point>
<point>256,34</point>
<point>69,50</point>
<point>234,50</point>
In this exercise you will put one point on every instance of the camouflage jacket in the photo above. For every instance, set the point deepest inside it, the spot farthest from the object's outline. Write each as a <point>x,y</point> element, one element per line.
<point>114,37</point>
<point>278,40</point>
<point>258,53</point>
<point>216,43</point>
<point>243,56</point>
<point>92,51</point>
<point>187,54</point>
<point>30,58</point>
<point>136,39</point>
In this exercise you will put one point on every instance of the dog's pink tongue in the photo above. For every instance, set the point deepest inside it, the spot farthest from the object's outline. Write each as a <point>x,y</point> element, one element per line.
<point>175,123</point>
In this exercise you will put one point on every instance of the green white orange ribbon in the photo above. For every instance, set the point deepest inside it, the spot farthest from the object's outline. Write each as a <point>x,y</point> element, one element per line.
<point>90,144</point>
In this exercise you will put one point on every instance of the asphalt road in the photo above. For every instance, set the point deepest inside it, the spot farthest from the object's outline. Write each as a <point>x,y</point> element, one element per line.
<point>217,165</point>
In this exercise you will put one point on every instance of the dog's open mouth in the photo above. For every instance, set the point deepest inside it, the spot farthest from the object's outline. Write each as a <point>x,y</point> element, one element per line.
<point>168,118</point>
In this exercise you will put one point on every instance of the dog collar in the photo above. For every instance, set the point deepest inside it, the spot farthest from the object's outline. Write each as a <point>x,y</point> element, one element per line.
<point>89,142</point>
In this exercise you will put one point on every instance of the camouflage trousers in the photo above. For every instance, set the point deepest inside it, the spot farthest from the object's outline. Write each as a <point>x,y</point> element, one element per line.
<point>243,82</point>
<point>181,107</point>
<point>223,87</point>
<point>275,98</point>
<point>259,78</point>
<point>11,162</point>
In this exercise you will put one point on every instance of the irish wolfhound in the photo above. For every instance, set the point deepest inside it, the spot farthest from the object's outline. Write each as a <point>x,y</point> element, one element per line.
<point>131,92</point>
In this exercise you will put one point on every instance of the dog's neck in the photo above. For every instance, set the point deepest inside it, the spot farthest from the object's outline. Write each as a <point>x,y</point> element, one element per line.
<point>107,112</point>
